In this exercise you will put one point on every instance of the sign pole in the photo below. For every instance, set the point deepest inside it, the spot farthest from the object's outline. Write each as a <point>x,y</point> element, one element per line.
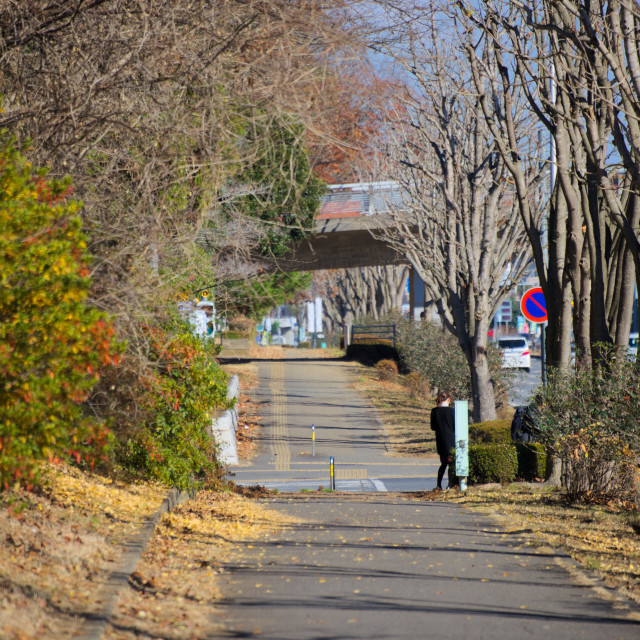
<point>543,330</point>
<point>534,308</point>
<point>461,408</point>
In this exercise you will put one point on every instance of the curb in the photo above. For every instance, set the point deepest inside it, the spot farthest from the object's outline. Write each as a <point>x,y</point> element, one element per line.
<point>95,624</point>
<point>223,428</point>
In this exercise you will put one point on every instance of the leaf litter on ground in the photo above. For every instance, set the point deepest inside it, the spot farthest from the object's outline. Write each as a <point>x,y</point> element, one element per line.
<point>598,534</point>
<point>58,546</point>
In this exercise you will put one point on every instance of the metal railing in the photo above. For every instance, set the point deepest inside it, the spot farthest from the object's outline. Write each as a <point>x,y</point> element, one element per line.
<point>374,334</point>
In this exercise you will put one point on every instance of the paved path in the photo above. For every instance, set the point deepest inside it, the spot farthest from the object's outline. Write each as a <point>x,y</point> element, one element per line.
<point>296,394</point>
<point>375,566</point>
<point>378,564</point>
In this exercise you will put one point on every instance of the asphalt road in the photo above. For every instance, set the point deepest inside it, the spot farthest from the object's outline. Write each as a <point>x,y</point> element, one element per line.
<point>524,385</point>
<point>372,566</point>
<point>293,396</point>
<point>368,563</point>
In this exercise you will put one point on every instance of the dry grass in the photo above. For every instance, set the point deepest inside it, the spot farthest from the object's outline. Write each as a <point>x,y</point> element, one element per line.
<point>282,353</point>
<point>175,587</point>
<point>405,418</point>
<point>57,547</point>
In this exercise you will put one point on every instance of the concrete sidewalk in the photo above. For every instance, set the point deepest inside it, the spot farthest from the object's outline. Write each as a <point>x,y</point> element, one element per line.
<point>387,566</point>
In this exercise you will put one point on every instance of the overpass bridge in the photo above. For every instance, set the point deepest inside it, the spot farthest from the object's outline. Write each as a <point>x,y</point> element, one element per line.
<point>341,238</point>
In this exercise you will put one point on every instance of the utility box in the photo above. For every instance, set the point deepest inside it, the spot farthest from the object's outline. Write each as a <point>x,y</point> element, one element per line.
<point>462,441</point>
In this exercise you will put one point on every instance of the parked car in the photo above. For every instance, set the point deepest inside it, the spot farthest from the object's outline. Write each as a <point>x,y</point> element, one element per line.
<point>632,349</point>
<point>515,353</point>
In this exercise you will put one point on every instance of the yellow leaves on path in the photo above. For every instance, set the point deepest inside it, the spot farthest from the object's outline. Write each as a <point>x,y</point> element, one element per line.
<point>56,550</point>
<point>127,503</point>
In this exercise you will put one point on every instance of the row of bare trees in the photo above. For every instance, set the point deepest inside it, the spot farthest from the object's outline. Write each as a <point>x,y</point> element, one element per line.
<point>459,225</point>
<point>515,137</point>
<point>576,65</point>
<point>351,294</point>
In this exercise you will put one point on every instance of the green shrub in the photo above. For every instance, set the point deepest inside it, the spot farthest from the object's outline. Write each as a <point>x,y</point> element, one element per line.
<point>489,463</point>
<point>589,419</point>
<point>52,343</point>
<point>504,462</point>
<point>168,435</point>
<point>492,463</point>
<point>493,431</point>
<point>369,354</point>
<point>435,354</point>
<point>532,461</point>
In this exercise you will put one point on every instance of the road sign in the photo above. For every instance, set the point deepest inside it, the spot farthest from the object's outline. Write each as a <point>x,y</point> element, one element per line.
<point>533,305</point>
<point>504,313</point>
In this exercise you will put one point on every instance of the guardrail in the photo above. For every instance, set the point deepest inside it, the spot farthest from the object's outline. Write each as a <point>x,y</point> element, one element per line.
<point>374,334</point>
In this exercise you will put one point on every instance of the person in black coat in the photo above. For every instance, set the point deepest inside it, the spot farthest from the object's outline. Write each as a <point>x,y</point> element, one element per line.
<point>443,423</point>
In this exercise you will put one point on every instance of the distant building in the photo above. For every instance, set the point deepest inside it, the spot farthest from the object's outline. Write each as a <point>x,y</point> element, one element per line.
<point>201,316</point>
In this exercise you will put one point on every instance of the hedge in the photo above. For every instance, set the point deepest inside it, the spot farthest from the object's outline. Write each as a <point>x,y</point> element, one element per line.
<point>370,354</point>
<point>504,462</point>
<point>495,431</point>
<point>532,460</point>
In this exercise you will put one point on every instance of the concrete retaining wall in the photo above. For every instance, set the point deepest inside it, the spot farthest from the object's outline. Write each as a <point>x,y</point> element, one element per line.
<point>223,428</point>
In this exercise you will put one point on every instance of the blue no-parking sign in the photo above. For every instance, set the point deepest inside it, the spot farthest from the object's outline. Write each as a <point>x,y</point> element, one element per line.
<point>534,306</point>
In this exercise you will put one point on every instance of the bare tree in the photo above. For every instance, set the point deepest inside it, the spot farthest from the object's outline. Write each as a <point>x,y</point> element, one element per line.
<point>155,108</point>
<point>460,226</point>
<point>351,294</point>
<point>575,63</point>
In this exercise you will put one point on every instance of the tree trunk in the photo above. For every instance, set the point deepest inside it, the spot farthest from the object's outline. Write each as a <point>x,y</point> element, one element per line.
<point>484,403</point>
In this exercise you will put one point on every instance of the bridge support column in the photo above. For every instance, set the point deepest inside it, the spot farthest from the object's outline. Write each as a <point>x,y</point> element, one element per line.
<point>417,295</point>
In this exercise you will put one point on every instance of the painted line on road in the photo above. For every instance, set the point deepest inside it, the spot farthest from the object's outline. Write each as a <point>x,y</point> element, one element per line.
<point>321,478</point>
<point>278,413</point>
<point>378,484</point>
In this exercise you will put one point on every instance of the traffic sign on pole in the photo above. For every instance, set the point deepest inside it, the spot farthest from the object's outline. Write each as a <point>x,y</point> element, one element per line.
<point>534,306</point>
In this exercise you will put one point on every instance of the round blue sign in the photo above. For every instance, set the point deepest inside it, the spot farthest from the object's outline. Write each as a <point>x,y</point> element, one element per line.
<point>534,306</point>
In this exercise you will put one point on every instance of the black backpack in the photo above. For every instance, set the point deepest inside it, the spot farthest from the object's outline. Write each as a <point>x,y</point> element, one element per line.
<point>522,425</point>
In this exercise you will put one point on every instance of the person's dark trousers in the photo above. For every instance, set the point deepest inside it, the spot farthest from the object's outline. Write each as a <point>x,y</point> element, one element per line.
<point>444,462</point>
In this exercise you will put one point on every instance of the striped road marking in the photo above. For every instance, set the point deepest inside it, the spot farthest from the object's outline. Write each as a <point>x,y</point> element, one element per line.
<point>278,409</point>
